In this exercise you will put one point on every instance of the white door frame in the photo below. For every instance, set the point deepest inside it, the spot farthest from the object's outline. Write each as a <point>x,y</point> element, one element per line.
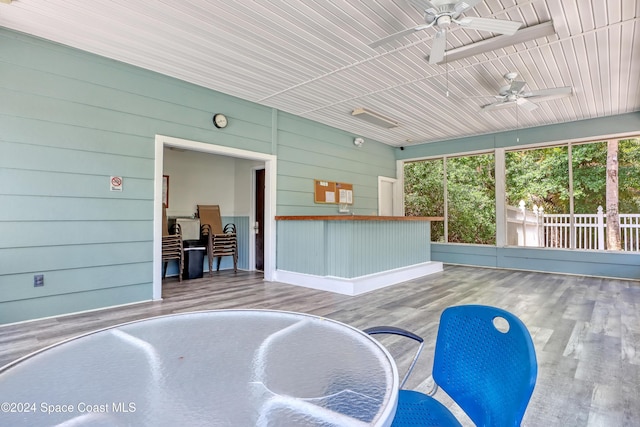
<point>395,206</point>
<point>270,167</point>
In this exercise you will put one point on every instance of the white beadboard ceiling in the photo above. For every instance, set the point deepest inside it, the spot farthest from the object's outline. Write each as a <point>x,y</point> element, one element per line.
<point>311,57</point>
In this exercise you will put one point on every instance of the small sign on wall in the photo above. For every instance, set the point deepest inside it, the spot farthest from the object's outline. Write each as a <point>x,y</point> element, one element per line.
<point>165,190</point>
<point>116,183</point>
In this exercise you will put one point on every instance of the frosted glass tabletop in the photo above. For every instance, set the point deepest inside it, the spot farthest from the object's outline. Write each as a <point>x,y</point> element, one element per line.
<point>212,368</point>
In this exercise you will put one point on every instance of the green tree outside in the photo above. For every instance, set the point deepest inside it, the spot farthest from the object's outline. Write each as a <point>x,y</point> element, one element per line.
<point>541,177</point>
<point>471,197</point>
<point>538,176</point>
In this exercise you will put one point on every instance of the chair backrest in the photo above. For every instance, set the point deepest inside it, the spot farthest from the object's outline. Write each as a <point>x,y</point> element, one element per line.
<point>486,362</point>
<point>393,330</point>
<point>210,215</point>
<point>165,222</point>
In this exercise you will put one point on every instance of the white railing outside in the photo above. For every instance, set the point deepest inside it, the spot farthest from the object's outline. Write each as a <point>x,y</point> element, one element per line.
<point>580,231</point>
<point>525,228</point>
<point>630,232</point>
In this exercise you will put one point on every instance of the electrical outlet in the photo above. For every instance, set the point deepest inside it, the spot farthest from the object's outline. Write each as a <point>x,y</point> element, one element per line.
<point>38,280</point>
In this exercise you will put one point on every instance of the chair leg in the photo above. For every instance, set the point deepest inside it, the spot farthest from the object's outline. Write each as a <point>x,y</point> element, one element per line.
<point>210,265</point>
<point>218,263</point>
<point>235,261</point>
<point>164,269</point>
<point>210,254</point>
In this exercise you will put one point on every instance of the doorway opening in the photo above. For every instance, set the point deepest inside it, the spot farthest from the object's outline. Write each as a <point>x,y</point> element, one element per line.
<point>268,232</point>
<point>258,213</point>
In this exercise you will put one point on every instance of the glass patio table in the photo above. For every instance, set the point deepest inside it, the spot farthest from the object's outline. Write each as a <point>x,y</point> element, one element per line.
<point>209,368</point>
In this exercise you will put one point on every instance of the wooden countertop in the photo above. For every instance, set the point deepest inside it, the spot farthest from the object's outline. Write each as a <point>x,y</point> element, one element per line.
<point>357,218</point>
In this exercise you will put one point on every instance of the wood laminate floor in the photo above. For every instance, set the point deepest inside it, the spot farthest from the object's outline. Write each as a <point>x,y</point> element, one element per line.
<point>586,330</point>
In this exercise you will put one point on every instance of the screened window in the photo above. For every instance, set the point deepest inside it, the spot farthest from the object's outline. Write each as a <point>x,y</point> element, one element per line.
<point>571,196</point>
<point>424,193</point>
<point>469,205</point>
<point>576,196</point>
<point>537,187</point>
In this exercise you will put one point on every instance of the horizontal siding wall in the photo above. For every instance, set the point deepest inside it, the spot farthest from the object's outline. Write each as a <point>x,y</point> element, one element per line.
<point>589,263</point>
<point>452,253</point>
<point>583,129</point>
<point>308,151</point>
<point>69,120</point>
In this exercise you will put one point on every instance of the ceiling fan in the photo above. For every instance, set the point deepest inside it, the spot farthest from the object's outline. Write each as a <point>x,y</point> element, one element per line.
<point>440,14</point>
<point>514,94</point>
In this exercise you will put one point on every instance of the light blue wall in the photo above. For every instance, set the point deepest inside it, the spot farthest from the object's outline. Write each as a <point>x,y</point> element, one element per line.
<point>69,120</point>
<point>592,128</point>
<point>590,263</point>
<point>606,264</point>
<point>308,151</point>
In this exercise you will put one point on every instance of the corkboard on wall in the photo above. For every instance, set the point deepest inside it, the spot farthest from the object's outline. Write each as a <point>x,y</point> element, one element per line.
<point>333,192</point>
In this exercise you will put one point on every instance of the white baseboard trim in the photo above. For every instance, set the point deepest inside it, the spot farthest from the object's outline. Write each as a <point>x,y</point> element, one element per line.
<point>73,313</point>
<point>358,285</point>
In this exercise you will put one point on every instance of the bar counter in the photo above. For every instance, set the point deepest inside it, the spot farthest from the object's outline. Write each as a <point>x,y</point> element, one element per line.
<point>353,254</point>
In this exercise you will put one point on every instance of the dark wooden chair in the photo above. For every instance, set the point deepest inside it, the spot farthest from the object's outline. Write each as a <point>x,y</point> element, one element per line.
<point>219,241</point>
<point>172,247</point>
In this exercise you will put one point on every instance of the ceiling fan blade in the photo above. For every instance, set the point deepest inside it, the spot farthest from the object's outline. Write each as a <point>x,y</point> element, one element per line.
<point>398,35</point>
<point>526,104</point>
<point>549,94</point>
<point>498,106</point>
<point>516,87</point>
<point>500,97</point>
<point>463,6</point>
<point>487,24</point>
<point>438,47</point>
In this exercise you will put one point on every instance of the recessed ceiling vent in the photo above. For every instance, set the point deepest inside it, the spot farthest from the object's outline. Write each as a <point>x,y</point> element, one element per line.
<point>374,118</point>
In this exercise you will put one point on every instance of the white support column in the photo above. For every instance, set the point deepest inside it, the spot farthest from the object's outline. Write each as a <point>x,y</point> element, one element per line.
<point>501,208</point>
<point>446,199</point>
<point>572,224</point>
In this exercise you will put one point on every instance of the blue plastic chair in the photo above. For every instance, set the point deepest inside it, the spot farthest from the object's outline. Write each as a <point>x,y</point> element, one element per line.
<point>484,360</point>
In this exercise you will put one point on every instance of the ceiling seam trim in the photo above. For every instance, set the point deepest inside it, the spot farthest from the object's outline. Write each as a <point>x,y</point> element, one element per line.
<point>381,55</point>
<point>551,43</point>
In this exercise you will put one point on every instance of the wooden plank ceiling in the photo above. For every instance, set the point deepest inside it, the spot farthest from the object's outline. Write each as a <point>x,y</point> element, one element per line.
<point>311,57</point>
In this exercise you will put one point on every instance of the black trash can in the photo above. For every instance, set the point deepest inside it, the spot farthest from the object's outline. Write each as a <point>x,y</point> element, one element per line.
<point>193,259</point>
